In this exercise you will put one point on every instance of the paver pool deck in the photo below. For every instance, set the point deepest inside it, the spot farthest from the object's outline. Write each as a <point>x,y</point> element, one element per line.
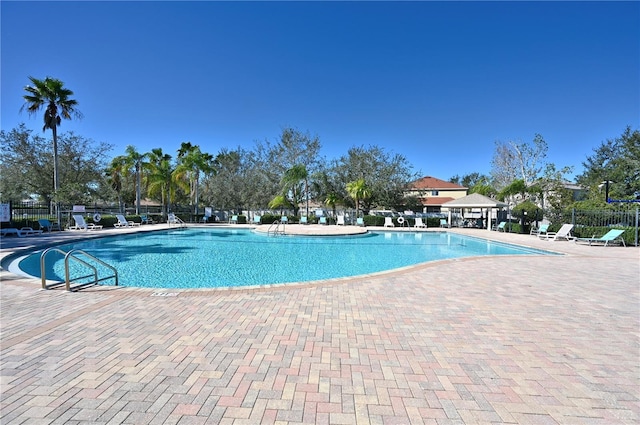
<point>513,339</point>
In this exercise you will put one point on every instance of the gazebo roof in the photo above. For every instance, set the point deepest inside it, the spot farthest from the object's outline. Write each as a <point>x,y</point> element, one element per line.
<point>475,200</point>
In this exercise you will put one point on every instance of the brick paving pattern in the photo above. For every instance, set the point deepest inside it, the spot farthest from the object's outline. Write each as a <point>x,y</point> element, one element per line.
<point>494,340</point>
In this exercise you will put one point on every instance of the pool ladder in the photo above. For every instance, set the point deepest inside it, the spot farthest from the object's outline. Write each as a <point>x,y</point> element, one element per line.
<point>276,231</point>
<point>73,255</point>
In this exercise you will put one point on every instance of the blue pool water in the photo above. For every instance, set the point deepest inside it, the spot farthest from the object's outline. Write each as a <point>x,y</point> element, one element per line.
<point>207,258</point>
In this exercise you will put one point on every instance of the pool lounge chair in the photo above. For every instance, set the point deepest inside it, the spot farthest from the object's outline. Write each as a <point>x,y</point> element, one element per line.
<point>564,233</point>
<point>47,226</point>
<point>419,223</point>
<point>388,222</point>
<point>322,220</point>
<point>444,223</point>
<point>542,230</point>
<point>613,236</point>
<point>360,222</point>
<point>233,219</point>
<point>303,220</point>
<point>83,225</point>
<point>145,219</point>
<point>500,227</point>
<point>173,219</point>
<point>340,220</point>
<point>257,219</point>
<point>123,222</point>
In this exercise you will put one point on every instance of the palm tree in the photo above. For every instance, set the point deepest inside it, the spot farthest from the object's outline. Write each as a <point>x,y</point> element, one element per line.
<point>291,185</point>
<point>191,162</point>
<point>332,200</point>
<point>358,190</point>
<point>136,160</point>
<point>161,176</point>
<point>116,174</point>
<point>52,93</point>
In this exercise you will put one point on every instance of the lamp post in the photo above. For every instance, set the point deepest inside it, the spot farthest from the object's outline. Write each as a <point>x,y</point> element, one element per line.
<point>606,189</point>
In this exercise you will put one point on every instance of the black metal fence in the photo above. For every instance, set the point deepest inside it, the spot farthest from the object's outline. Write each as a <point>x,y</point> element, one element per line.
<point>585,221</point>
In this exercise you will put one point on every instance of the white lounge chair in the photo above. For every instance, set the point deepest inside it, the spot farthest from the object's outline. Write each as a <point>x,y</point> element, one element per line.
<point>173,219</point>
<point>564,233</point>
<point>613,236</point>
<point>81,224</point>
<point>123,222</point>
<point>419,223</point>
<point>340,220</point>
<point>388,222</point>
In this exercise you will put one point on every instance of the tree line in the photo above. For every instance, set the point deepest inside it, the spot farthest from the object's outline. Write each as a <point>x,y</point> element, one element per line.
<point>287,174</point>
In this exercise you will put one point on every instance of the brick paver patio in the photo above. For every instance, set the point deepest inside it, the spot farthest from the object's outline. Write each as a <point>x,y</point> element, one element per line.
<point>520,339</point>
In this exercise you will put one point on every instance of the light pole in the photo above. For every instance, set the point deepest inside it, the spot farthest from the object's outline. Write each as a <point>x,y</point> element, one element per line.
<point>606,189</point>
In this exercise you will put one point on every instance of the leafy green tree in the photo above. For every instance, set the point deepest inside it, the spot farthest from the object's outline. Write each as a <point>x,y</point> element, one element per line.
<point>51,94</point>
<point>26,164</point>
<point>386,175</point>
<point>617,161</point>
<point>295,183</point>
<point>230,186</point>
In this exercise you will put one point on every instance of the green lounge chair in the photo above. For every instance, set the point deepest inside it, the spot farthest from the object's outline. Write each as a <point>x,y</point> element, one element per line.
<point>613,236</point>
<point>542,230</point>
<point>500,227</point>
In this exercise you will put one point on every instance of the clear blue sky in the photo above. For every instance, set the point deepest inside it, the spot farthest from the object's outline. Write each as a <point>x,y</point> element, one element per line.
<point>438,82</point>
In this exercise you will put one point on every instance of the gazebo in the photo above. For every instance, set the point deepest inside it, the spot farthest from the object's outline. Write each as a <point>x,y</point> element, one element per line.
<point>475,200</point>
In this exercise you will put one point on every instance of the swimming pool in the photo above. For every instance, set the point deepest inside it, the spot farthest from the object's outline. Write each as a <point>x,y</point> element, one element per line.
<point>211,258</point>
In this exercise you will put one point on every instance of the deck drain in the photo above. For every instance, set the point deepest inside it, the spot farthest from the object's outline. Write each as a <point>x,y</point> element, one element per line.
<point>164,294</point>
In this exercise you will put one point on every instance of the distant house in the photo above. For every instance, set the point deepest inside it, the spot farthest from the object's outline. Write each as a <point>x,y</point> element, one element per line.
<point>433,192</point>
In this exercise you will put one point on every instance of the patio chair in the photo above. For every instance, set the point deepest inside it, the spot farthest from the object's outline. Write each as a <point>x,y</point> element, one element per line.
<point>123,222</point>
<point>257,219</point>
<point>500,227</point>
<point>360,222</point>
<point>419,223</point>
<point>233,219</point>
<point>444,223</point>
<point>81,224</point>
<point>613,236</point>
<point>322,220</point>
<point>145,219</point>
<point>173,219</point>
<point>28,231</point>
<point>304,220</point>
<point>542,230</point>
<point>388,222</point>
<point>564,233</point>
<point>47,226</point>
<point>340,220</point>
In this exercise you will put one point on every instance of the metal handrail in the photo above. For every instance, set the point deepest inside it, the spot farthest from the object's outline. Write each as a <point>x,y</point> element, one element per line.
<point>72,255</point>
<point>42,267</point>
<point>277,230</point>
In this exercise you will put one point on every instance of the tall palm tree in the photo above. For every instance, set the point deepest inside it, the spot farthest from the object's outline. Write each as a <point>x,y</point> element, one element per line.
<point>51,94</point>
<point>116,174</point>
<point>161,176</point>
<point>358,190</point>
<point>191,162</point>
<point>136,160</point>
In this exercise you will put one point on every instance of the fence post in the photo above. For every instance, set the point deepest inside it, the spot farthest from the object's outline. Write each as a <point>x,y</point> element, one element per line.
<point>637,217</point>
